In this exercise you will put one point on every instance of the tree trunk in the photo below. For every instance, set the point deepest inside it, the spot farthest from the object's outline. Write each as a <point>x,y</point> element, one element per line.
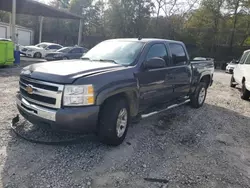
<point>234,24</point>
<point>157,17</point>
<point>247,34</point>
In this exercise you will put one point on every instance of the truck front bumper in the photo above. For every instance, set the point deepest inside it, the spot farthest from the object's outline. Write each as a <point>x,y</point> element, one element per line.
<point>78,119</point>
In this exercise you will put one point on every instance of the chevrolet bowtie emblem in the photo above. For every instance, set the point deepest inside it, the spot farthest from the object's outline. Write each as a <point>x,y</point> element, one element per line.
<point>29,89</point>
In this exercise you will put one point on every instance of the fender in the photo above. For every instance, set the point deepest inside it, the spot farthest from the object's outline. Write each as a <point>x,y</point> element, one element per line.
<point>206,73</point>
<point>127,87</point>
<point>198,78</point>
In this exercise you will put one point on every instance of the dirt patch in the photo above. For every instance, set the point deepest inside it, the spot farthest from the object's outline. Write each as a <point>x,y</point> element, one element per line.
<point>201,148</point>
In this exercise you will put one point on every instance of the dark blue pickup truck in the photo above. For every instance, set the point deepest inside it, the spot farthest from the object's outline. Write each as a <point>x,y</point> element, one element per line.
<point>115,82</point>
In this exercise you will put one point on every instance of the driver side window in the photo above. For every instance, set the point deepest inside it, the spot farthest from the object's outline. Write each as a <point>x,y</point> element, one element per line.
<point>247,59</point>
<point>54,47</point>
<point>157,50</point>
<point>243,58</point>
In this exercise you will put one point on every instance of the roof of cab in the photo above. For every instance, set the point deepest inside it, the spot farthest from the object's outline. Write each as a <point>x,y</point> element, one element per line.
<point>145,40</point>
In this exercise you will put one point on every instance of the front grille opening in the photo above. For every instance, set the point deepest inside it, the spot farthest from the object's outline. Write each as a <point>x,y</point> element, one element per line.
<point>29,109</point>
<point>38,98</point>
<point>51,88</point>
<point>21,84</point>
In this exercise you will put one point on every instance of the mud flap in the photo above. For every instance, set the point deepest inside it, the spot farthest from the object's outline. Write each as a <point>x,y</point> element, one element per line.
<point>15,120</point>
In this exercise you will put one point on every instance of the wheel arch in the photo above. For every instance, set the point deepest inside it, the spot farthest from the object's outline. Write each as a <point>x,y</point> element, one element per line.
<point>131,97</point>
<point>206,78</point>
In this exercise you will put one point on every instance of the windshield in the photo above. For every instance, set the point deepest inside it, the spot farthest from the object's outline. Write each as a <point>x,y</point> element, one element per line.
<point>42,45</point>
<point>65,49</point>
<point>121,52</point>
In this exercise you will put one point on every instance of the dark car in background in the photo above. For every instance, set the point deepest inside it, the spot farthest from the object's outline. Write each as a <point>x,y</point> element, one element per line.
<point>66,53</point>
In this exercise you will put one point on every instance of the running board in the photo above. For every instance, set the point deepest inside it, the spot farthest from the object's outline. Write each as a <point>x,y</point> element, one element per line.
<point>160,111</point>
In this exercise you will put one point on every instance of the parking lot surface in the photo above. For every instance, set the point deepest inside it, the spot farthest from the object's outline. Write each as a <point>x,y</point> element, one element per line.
<point>184,147</point>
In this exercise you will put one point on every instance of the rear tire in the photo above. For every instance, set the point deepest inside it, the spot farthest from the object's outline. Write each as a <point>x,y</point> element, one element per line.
<point>37,55</point>
<point>199,96</point>
<point>114,119</point>
<point>232,82</point>
<point>245,94</point>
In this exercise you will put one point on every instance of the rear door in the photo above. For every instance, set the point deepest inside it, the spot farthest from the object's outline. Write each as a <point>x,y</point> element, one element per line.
<point>180,69</point>
<point>155,84</point>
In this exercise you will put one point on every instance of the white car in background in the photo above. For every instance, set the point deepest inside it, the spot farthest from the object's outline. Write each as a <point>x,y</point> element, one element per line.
<point>40,50</point>
<point>241,75</point>
<point>230,66</point>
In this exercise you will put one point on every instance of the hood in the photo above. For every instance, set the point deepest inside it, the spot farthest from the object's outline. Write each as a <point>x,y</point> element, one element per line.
<point>33,47</point>
<point>67,71</point>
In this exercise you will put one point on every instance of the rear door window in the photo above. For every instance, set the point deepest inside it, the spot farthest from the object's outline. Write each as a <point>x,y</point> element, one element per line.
<point>244,57</point>
<point>77,50</point>
<point>178,54</point>
<point>54,47</point>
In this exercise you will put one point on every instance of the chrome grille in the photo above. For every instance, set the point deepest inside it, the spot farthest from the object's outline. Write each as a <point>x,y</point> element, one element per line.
<point>44,93</point>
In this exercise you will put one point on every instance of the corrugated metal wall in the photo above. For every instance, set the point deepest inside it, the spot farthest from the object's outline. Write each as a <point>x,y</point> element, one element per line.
<point>25,36</point>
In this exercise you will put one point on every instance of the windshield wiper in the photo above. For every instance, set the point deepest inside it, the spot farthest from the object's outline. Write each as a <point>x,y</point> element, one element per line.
<point>107,60</point>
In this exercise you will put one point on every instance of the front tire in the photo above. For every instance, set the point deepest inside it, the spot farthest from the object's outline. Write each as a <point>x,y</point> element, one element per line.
<point>245,94</point>
<point>113,121</point>
<point>199,96</point>
<point>37,55</point>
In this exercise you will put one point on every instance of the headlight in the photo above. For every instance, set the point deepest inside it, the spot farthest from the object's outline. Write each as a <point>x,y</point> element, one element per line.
<point>26,70</point>
<point>78,95</point>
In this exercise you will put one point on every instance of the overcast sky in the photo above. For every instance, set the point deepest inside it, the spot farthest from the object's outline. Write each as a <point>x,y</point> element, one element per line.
<point>44,1</point>
<point>181,8</point>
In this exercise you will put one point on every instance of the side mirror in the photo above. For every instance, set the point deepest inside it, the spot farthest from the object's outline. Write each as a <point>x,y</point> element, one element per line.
<point>237,61</point>
<point>155,63</point>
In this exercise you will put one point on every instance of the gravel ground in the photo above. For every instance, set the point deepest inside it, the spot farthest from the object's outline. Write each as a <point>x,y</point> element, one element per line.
<point>184,147</point>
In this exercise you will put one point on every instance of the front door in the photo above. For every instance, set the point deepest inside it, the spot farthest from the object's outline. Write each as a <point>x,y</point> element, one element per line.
<point>76,53</point>
<point>238,70</point>
<point>181,69</point>
<point>155,84</point>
